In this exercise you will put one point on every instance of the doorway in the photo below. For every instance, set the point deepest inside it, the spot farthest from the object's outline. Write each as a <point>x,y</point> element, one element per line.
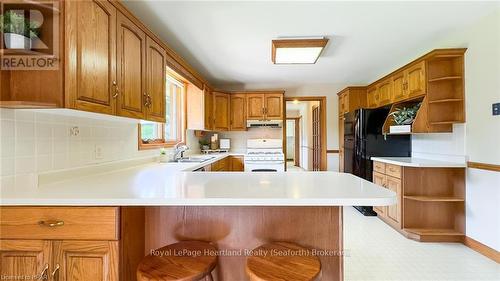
<point>304,135</point>
<point>293,141</point>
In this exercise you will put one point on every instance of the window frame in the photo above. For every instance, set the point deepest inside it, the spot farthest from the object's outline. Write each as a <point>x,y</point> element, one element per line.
<point>181,113</point>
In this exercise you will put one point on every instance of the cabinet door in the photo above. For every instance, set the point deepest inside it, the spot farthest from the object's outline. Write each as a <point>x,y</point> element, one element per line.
<point>372,97</point>
<point>416,85</point>
<point>273,106</point>
<point>91,56</point>
<point>384,92</point>
<point>86,260</point>
<point>221,111</point>
<point>398,87</point>
<point>379,179</point>
<point>156,63</point>
<point>131,42</point>
<point>238,112</point>
<point>24,259</point>
<point>237,164</point>
<point>209,109</point>
<point>394,211</point>
<point>255,106</point>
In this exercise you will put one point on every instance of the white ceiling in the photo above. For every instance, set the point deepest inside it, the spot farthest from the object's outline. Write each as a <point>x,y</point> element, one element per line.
<point>229,43</point>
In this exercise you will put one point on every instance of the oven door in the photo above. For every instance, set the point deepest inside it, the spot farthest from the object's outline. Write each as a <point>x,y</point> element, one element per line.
<point>264,166</point>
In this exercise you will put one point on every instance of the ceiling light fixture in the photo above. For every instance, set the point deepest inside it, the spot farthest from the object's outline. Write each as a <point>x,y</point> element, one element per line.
<point>297,50</point>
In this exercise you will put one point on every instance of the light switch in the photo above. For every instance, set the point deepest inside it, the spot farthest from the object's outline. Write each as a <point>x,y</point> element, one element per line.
<point>496,108</point>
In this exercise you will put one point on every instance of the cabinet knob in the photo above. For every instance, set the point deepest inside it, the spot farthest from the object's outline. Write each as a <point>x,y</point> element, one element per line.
<point>51,223</point>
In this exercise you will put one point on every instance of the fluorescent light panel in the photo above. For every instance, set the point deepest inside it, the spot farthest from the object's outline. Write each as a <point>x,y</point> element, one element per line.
<point>297,51</point>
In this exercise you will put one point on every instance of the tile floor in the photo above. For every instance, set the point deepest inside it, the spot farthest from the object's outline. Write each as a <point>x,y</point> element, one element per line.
<point>292,168</point>
<point>377,252</point>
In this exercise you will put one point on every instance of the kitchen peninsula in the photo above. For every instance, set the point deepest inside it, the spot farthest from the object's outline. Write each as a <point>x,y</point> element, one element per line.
<point>159,204</point>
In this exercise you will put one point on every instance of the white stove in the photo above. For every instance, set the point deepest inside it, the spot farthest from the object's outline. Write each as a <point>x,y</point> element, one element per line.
<point>264,155</point>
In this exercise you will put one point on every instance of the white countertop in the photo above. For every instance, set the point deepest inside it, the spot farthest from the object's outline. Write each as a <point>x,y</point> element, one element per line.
<point>418,162</point>
<point>168,184</point>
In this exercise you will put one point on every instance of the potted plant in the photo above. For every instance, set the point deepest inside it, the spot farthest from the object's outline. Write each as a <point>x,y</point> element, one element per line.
<point>18,30</point>
<point>163,156</point>
<point>204,144</point>
<point>403,118</point>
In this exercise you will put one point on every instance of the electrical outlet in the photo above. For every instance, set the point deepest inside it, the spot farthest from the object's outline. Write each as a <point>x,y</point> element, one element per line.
<point>74,131</point>
<point>98,152</point>
<point>496,108</point>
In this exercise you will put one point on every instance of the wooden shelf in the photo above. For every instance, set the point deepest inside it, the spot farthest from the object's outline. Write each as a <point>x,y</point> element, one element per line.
<point>434,231</point>
<point>445,100</point>
<point>434,198</point>
<point>445,122</point>
<point>444,78</point>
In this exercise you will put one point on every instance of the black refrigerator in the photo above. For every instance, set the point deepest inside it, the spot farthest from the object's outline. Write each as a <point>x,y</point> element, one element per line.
<point>363,139</point>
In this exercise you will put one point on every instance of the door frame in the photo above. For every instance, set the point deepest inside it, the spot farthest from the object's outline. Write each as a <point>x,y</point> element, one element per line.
<point>322,116</point>
<point>296,135</point>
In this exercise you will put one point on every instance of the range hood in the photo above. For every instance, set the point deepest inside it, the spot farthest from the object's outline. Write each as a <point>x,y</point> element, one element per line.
<point>264,123</point>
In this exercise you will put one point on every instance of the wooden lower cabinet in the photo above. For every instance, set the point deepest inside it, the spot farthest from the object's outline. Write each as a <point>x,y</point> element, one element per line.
<point>24,259</point>
<point>430,201</point>
<point>85,260</point>
<point>59,259</point>
<point>237,164</point>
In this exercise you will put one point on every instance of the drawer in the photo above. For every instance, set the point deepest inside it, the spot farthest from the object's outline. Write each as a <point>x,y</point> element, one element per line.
<point>88,223</point>
<point>393,170</point>
<point>379,167</point>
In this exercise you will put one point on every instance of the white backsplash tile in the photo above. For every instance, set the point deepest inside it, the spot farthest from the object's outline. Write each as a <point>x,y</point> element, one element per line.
<point>40,141</point>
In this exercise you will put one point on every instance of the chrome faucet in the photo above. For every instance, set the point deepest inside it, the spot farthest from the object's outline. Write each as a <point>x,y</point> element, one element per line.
<point>179,149</point>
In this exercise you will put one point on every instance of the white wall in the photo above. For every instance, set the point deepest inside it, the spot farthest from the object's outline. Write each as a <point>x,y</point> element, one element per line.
<point>478,139</point>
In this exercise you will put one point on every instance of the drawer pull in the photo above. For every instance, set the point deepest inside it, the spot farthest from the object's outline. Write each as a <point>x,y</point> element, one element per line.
<point>51,223</point>
<point>43,274</point>
<point>56,271</point>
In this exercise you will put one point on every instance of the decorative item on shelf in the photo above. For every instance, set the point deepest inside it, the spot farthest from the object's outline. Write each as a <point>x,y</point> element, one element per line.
<point>204,144</point>
<point>403,117</point>
<point>18,31</point>
<point>164,157</point>
<point>214,142</point>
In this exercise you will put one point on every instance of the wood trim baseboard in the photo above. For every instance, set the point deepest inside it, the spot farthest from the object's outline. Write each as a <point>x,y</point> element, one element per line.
<point>483,166</point>
<point>482,249</point>
<point>332,151</point>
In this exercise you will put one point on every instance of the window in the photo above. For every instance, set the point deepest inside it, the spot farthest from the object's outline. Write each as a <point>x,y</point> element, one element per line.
<point>153,134</point>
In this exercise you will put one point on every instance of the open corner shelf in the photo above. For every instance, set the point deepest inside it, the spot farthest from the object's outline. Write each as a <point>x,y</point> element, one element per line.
<point>444,100</point>
<point>434,231</point>
<point>445,78</point>
<point>434,198</point>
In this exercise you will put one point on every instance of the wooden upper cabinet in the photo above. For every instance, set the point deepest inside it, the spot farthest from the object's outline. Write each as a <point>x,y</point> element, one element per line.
<point>221,111</point>
<point>262,106</point>
<point>238,119</point>
<point>131,66</point>
<point>255,106</point>
<point>91,56</point>
<point>86,260</point>
<point>372,97</point>
<point>384,92</point>
<point>398,87</point>
<point>415,80</point>
<point>273,106</point>
<point>209,108</point>
<point>25,258</point>
<point>156,63</point>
